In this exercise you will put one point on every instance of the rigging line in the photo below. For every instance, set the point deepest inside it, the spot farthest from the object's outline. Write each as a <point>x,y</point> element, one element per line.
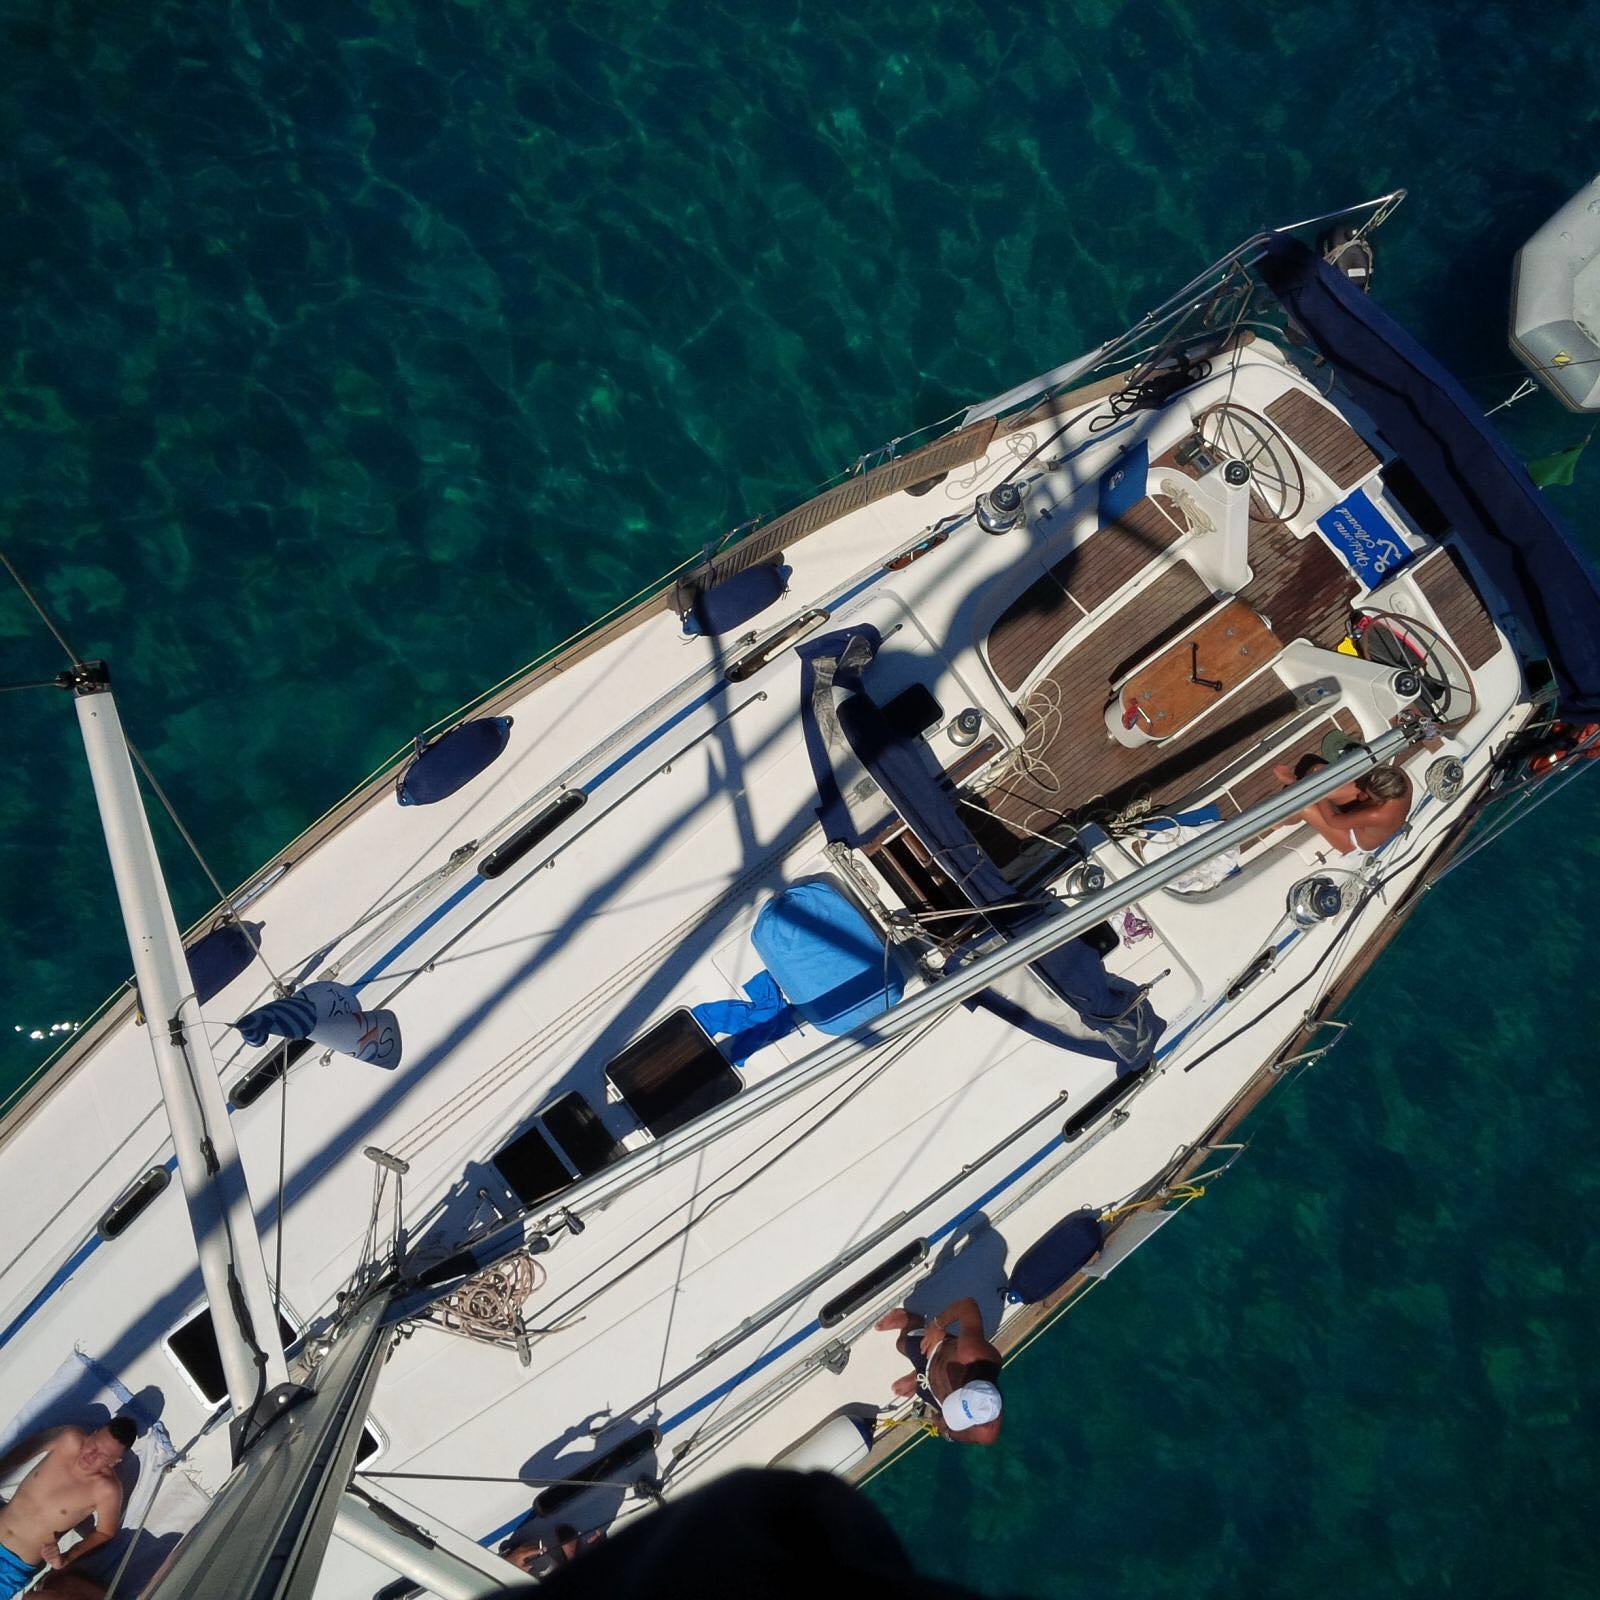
<point>133,1543</point>
<point>445,1117</point>
<point>777,1309</point>
<point>399,899</point>
<point>44,616</point>
<point>1530,802</point>
<point>188,839</point>
<point>845,1089</point>
<point>283,1167</point>
<point>1321,961</point>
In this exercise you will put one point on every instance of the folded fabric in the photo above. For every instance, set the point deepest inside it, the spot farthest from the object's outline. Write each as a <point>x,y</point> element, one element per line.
<point>1161,835</point>
<point>328,1014</point>
<point>761,1020</point>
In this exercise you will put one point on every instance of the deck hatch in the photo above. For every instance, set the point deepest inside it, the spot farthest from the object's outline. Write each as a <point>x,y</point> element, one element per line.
<point>532,1169</point>
<point>577,1131</point>
<point>672,1074</point>
<point>193,1345</point>
<point>864,1290</point>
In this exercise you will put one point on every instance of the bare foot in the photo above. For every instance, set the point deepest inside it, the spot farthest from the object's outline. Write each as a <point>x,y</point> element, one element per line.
<point>893,1321</point>
<point>905,1386</point>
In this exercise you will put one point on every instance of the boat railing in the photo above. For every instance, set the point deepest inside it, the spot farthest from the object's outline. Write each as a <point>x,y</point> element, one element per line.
<point>1194,297</point>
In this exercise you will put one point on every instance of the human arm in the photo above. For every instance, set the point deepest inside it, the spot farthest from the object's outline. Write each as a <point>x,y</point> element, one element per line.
<point>1334,825</point>
<point>968,1320</point>
<point>107,1524</point>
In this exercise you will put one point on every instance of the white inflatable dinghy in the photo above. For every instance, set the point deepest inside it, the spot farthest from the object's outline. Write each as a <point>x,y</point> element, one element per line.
<point>1555,302</point>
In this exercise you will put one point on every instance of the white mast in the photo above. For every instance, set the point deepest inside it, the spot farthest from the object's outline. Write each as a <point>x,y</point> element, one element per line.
<point>208,1159</point>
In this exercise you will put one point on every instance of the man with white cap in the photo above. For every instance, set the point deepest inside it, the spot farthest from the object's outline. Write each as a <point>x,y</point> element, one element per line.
<point>955,1373</point>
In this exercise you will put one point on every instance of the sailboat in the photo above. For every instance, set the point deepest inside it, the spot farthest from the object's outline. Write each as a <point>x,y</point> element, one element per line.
<point>904,902</point>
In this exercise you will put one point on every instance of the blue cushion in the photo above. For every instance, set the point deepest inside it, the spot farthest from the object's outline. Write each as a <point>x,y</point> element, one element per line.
<point>217,958</point>
<point>1065,1250</point>
<point>827,958</point>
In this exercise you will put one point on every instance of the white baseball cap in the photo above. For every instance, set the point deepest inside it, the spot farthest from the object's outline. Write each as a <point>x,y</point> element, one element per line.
<point>970,1406</point>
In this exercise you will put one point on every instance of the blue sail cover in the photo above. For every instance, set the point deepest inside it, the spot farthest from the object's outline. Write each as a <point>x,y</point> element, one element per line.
<point>1460,460</point>
<point>1121,1026</point>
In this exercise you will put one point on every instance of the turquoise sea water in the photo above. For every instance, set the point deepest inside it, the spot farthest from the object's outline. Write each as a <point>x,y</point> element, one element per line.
<point>352,355</point>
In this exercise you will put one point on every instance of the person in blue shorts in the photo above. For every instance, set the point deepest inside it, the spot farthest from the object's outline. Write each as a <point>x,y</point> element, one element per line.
<point>76,1478</point>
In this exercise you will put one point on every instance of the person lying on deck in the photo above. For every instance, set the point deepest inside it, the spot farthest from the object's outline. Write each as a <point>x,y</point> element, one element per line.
<point>1356,816</point>
<point>76,1478</point>
<point>956,1374</point>
<point>539,1555</point>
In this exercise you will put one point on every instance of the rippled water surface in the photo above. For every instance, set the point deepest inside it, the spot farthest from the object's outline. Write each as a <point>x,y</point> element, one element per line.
<point>353,355</point>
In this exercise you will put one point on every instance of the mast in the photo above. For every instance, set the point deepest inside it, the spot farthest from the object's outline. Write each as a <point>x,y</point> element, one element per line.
<point>209,1169</point>
<point>267,1531</point>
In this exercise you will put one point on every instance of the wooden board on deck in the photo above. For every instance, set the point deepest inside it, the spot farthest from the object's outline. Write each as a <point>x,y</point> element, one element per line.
<point>1197,669</point>
<point>1321,433</point>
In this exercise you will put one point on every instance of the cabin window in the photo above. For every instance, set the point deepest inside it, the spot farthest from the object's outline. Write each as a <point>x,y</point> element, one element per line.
<point>532,1169</point>
<point>193,1345</point>
<point>532,833</point>
<point>580,1135</point>
<point>1102,1102</point>
<point>266,1072</point>
<point>609,1468</point>
<point>672,1074</point>
<point>865,1290</point>
<point>371,1444</point>
<point>133,1201</point>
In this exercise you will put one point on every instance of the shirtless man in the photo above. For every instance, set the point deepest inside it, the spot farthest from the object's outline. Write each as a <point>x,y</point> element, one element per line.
<point>956,1373</point>
<point>77,1476</point>
<point>1356,816</point>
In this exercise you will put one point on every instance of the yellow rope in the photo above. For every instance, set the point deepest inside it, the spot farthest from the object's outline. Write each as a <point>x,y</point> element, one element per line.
<point>1182,1191</point>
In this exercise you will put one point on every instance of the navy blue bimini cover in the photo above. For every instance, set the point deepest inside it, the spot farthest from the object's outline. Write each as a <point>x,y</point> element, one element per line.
<point>1460,460</point>
<point>459,756</point>
<point>218,957</point>
<point>733,602</point>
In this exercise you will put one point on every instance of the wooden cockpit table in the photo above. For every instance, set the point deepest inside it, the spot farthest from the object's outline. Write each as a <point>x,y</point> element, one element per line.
<point>1191,675</point>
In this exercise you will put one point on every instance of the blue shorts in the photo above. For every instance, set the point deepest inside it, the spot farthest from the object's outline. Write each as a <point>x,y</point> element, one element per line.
<point>15,1573</point>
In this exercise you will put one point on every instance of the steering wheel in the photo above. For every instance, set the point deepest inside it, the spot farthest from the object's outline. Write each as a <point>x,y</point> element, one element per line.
<point>1236,433</point>
<point>1393,640</point>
